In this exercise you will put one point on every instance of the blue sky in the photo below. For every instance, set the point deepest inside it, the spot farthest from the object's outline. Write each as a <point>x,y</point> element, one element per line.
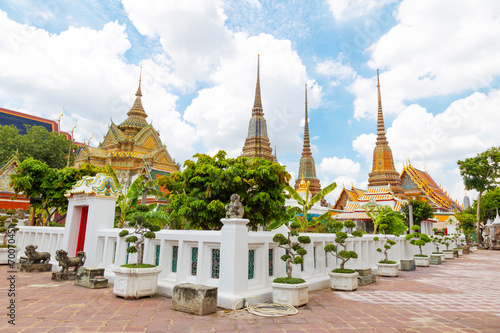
<point>438,62</point>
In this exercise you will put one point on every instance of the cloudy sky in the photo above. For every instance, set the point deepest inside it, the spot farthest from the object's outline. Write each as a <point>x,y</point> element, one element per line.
<point>439,65</point>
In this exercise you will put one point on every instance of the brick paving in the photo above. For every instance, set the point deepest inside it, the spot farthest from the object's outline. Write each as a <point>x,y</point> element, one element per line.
<point>461,295</point>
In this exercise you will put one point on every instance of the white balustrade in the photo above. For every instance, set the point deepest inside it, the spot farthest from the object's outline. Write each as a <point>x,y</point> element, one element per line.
<point>222,258</point>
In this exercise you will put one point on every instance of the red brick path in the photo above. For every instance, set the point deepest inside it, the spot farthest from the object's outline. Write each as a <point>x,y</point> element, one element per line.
<point>461,295</point>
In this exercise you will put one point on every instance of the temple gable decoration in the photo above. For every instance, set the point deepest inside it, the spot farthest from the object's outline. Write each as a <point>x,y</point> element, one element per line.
<point>99,185</point>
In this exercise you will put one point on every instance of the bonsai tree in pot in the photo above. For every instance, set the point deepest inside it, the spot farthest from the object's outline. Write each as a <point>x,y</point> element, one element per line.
<point>437,255</point>
<point>288,289</point>
<point>127,276</point>
<point>144,229</point>
<point>342,278</point>
<point>458,243</point>
<point>8,226</point>
<point>419,239</point>
<point>446,240</point>
<point>385,266</point>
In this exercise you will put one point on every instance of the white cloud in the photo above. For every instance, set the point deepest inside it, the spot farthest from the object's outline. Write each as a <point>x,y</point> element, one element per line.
<point>364,145</point>
<point>221,113</point>
<point>437,48</point>
<point>83,70</point>
<point>339,166</point>
<point>192,33</point>
<point>343,10</point>
<point>336,71</point>
<point>227,62</point>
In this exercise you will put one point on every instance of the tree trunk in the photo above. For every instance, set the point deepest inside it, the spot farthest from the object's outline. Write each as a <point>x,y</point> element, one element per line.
<point>289,267</point>
<point>478,219</point>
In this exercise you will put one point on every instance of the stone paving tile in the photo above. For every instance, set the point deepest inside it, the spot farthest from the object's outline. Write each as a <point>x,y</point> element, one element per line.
<point>461,295</point>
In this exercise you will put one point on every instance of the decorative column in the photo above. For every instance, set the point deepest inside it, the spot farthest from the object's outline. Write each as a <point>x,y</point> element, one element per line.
<point>233,276</point>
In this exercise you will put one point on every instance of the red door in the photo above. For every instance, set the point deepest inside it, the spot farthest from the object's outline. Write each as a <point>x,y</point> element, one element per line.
<point>83,228</point>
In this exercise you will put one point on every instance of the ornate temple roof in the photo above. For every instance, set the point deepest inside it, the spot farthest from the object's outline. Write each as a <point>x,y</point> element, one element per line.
<point>129,146</point>
<point>419,183</point>
<point>257,143</point>
<point>375,195</point>
<point>383,171</point>
<point>345,195</point>
<point>307,167</point>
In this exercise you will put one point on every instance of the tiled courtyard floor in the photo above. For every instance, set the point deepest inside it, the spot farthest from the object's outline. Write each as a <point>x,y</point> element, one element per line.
<point>461,295</point>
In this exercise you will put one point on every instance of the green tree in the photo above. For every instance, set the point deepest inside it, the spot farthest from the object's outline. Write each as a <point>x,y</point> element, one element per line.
<point>200,192</point>
<point>393,220</point>
<point>306,204</point>
<point>49,147</point>
<point>422,210</point>
<point>340,238</point>
<point>490,202</point>
<point>9,142</point>
<point>480,173</point>
<point>35,179</point>
<point>387,244</point>
<point>143,228</point>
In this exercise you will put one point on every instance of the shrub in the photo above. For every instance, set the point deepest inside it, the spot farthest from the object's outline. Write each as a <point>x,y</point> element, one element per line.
<point>340,239</point>
<point>143,229</point>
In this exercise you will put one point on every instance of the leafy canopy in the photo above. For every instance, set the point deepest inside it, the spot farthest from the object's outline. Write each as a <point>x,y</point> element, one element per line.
<point>35,179</point>
<point>422,210</point>
<point>481,173</point>
<point>393,221</point>
<point>200,193</point>
<point>49,147</point>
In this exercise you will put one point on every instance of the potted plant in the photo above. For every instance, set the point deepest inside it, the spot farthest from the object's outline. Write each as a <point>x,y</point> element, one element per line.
<point>342,278</point>
<point>137,280</point>
<point>436,239</point>
<point>448,254</point>
<point>419,239</point>
<point>8,226</point>
<point>458,244</point>
<point>290,290</point>
<point>385,266</point>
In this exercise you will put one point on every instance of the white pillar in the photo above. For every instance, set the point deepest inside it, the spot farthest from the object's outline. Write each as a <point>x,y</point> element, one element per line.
<point>233,276</point>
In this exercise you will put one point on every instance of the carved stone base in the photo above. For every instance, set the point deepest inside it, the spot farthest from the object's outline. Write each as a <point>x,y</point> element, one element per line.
<point>435,259</point>
<point>58,276</point>
<point>194,299</point>
<point>91,277</point>
<point>408,265</point>
<point>365,276</point>
<point>34,267</point>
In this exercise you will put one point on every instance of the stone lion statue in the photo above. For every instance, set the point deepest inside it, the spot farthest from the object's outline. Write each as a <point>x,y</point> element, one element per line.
<point>235,209</point>
<point>35,257</point>
<point>65,262</point>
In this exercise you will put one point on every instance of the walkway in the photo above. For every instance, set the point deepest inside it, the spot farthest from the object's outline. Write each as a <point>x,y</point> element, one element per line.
<point>461,295</point>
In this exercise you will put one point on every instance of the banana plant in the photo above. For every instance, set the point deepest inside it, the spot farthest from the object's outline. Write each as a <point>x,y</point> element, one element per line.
<point>306,205</point>
<point>130,199</point>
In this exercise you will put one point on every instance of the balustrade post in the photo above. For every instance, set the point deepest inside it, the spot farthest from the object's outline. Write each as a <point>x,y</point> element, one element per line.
<point>233,274</point>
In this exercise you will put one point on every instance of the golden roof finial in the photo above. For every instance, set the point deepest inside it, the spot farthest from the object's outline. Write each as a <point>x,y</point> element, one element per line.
<point>61,115</point>
<point>139,92</point>
<point>257,104</point>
